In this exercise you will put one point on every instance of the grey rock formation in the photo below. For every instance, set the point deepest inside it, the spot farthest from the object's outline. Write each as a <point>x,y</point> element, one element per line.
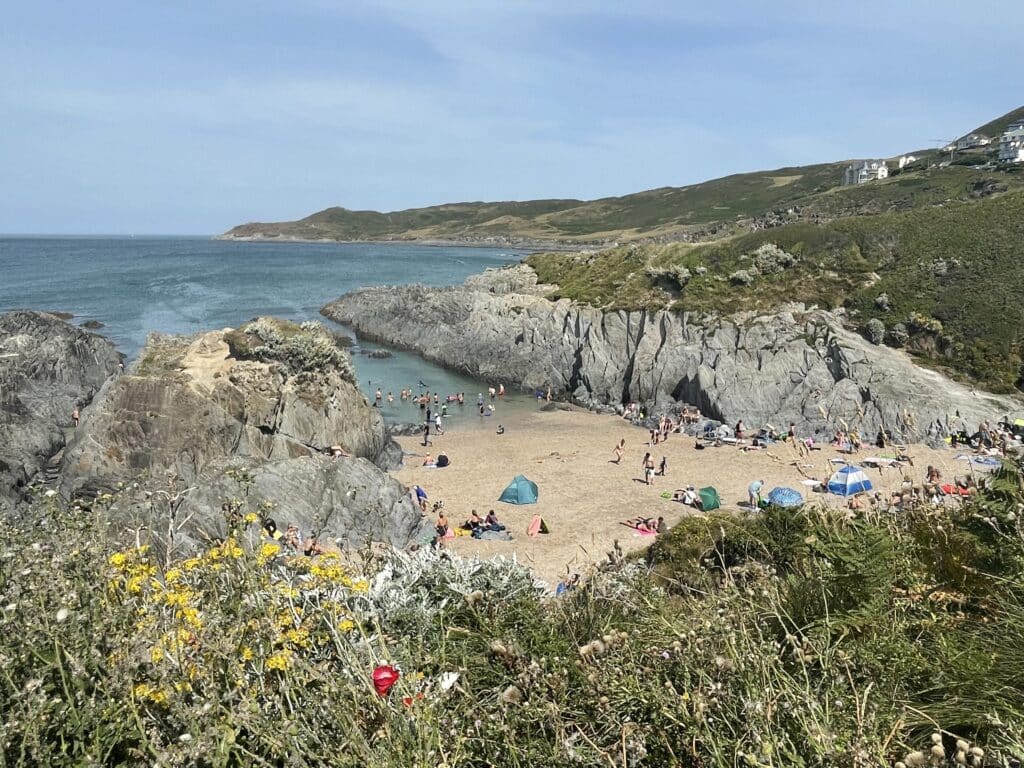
<point>47,368</point>
<point>187,402</point>
<point>794,365</point>
<point>345,501</point>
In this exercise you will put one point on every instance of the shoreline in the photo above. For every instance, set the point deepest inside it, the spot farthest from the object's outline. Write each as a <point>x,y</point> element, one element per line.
<point>533,246</point>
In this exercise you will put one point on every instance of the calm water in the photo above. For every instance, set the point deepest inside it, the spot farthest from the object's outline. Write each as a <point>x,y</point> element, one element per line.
<point>184,285</point>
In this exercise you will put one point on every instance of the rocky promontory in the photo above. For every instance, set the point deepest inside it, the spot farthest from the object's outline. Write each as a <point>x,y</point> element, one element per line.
<point>795,364</point>
<point>264,403</point>
<point>48,368</point>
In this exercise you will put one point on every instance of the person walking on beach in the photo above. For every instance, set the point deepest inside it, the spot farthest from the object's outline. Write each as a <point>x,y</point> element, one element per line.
<point>619,450</point>
<point>648,467</point>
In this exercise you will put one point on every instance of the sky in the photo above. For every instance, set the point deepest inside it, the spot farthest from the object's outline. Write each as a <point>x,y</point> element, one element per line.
<point>189,117</point>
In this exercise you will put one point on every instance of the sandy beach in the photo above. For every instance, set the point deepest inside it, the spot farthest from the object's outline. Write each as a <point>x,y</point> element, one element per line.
<point>584,496</point>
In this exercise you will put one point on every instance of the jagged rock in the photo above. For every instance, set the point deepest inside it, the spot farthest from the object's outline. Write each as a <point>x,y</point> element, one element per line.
<point>187,403</point>
<point>790,365</point>
<point>92,325</point>
<point>47,368</point>
<point>347,501</point>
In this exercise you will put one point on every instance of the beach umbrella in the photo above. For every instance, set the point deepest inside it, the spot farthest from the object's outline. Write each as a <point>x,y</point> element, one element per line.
<point>785,497</point>
<point>709,499</point>
<point>848,481</point>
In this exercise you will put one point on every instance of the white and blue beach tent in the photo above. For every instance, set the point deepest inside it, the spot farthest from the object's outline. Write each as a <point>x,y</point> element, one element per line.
<point>848,481</point>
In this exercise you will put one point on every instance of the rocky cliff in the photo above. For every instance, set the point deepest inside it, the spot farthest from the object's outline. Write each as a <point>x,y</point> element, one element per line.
<point>270,399</point>
<point>190,400</point>
<point>794,364</point>
<point>47,369</point>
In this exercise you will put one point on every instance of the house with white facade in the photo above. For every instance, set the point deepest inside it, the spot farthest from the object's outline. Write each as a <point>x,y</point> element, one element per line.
<point>906,160</point>
<point>973,140</point>
<point>1011,144</point>
<point>861,171</point>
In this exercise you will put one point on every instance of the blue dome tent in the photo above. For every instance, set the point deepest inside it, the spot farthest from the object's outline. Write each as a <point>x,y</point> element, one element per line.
<point>849,481</point>
<point>520,491</point>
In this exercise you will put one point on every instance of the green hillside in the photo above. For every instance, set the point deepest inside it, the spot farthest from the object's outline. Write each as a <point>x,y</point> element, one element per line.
<point>953,277</point>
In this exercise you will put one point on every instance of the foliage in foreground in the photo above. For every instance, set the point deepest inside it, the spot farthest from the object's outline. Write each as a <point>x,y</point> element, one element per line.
<point>790,639</point>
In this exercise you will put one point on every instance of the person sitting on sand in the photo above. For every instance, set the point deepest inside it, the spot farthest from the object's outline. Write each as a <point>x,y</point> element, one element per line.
<point>428,461</point>
<point>474,523</point>
<point>491,522</point>
<point>501,429</point>
<point>442,460</point>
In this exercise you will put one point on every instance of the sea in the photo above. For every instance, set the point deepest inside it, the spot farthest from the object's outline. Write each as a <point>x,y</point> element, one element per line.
<point>182,285</point>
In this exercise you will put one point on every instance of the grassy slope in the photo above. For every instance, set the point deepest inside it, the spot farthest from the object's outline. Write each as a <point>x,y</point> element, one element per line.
<point>961,264</point>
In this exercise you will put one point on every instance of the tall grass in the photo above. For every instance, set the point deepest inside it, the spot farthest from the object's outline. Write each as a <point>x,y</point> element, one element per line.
<point>794,638</point>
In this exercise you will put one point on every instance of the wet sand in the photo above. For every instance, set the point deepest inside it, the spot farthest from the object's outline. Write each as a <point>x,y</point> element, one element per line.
<point>584,496</point>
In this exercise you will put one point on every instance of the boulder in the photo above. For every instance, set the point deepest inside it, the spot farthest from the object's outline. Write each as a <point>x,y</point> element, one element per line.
<point>47,369</point>
<point>793,364</point>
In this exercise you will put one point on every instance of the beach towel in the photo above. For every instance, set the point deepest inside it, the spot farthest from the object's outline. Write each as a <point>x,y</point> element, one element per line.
<point>639,531</point>
<point>666,494</point>
<point>954,490</point>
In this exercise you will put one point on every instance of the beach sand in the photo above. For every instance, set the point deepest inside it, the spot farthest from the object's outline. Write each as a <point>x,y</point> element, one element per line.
<point>584,496</point>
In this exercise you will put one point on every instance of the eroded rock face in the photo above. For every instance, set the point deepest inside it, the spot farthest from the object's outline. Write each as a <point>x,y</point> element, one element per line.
<point>187,403</point>
<point>793,365</point>
<point>346,502</point>
<point>47,369</point>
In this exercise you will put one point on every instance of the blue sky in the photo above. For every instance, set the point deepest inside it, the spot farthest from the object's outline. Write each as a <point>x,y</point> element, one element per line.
<point>174,116</point>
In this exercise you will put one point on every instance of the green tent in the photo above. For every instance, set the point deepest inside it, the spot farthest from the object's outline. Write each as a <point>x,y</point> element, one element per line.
<point>709,498</point>
<point>520,491</point>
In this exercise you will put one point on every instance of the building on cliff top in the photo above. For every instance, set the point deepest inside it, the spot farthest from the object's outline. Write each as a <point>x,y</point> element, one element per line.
<point>1011,143</point>
<point>862,171</point>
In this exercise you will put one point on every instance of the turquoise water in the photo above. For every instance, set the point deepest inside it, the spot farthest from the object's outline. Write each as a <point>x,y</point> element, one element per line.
<point>183,285</point>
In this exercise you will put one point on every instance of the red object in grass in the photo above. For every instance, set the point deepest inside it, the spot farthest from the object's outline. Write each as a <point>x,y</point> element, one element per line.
<point>384,678</point>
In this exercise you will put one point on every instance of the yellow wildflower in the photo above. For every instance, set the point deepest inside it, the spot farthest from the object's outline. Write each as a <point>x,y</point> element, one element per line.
<point>299,637</point>
<point>118,559</point>
<point>156,654</point>
<point>146,692</point>
<point>173,575</point>
<point>246,653</point>
<point>267,552</point>
<point>252,517</point>
<point>191,564</point>
<point>360,585</point>
<point>280,660</point>
<point>346,625</point>
<point>189,616</point>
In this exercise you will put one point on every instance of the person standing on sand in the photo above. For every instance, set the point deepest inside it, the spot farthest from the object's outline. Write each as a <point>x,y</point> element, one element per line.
<point>75,417</point>
<point>648,467</point>
<point>426,434</point>
<point>619,450</point>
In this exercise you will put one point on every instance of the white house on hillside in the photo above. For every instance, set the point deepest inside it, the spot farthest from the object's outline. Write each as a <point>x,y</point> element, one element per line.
<point>973,140</point>
<point>906,160</point>
<point>1011,144</point>
<point>861,171</point>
